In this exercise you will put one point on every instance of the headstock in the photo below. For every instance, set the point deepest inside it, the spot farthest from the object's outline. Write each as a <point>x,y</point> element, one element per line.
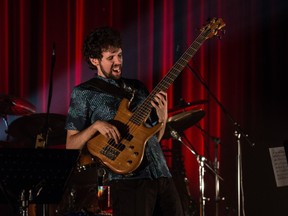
<point>213,27</point>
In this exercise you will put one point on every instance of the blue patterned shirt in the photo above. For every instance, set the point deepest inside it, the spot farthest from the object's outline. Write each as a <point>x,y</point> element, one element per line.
<point>89,105</point>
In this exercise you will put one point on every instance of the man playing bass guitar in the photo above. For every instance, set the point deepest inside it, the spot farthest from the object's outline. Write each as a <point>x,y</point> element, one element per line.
<point>148,189</point>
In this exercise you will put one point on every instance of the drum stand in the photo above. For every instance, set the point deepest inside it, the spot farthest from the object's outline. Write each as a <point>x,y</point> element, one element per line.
<point>5,120</point>
<point>202,163</point>
<point>237,133</point>
<point>216,168</point>
<point>217,182</point>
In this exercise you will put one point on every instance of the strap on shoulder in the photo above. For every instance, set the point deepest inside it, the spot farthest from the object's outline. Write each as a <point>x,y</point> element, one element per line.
<point>100,85</point>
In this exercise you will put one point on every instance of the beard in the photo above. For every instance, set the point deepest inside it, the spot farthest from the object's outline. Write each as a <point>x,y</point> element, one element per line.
<point>110,73</point>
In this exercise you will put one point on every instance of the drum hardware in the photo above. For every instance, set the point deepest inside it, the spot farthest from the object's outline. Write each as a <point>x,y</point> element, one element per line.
<point>202,161</point>
<point>238,132</point>
<point>218,198</point>
<point>216,141</point>
<point>5,120</point>
<point>183,105</point>
<point>29,129</point>
<point>182,121</point>
<point>11,105</point>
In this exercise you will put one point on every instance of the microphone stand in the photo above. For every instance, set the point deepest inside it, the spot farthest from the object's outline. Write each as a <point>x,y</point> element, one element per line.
<point>42,138</point>
<point>202,163</point>
<point>238,132</point>
<point>53,61</point>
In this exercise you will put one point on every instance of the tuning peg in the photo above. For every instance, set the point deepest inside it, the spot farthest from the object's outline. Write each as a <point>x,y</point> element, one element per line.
<point>223,32</point>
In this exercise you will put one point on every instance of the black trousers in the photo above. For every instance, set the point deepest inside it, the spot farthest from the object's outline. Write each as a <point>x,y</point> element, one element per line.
<point>145,197</point>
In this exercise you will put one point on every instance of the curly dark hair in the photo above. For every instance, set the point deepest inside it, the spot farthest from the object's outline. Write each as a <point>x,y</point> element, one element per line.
<point>98,40</point>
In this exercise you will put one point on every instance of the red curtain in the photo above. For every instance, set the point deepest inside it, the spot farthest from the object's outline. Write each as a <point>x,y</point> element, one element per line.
<point>155,34</point>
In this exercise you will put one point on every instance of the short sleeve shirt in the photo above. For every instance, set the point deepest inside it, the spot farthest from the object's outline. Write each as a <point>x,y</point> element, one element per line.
<point>89,105</point>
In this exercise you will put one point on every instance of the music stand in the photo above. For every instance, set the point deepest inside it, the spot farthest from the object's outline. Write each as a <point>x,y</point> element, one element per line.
<point>34,175</point>
<point>285,144</point>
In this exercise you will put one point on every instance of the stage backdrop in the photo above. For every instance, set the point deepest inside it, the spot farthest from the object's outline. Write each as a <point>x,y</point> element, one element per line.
<point>236,79</point>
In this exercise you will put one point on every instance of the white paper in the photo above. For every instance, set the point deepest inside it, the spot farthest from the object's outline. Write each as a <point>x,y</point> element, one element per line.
<point>280,165</point>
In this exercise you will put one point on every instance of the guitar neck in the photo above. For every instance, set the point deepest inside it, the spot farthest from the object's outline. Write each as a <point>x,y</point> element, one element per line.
<point>178,67</point>
<point>145,108</point>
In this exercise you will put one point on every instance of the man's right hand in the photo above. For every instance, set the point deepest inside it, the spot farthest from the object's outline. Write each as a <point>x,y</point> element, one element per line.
<point>108,130</point>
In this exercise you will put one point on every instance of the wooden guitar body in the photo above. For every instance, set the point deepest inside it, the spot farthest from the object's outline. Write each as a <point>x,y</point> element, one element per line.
<point>126,156</point>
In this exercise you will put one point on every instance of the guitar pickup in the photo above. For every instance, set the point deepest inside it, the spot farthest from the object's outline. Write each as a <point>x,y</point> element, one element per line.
<point>129,137</point>
<point>118,146</point>
<point>110,152</point>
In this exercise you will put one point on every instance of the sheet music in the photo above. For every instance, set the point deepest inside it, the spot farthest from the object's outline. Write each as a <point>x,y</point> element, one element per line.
<point>280,165</point>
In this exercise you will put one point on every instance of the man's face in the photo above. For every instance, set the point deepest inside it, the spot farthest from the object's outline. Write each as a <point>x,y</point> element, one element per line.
<point>110,65</point>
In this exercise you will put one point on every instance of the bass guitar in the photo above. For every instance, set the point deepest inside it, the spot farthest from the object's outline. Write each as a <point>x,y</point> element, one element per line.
<point>126,156</point>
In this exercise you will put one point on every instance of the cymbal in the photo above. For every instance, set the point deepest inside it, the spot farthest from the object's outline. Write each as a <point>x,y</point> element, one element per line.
<point>183,105</point>
<point>28,127</point>
<point>10,105</point>
<point>182,121</point>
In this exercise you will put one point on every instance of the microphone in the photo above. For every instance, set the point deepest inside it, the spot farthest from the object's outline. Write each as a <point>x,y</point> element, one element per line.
<point>215,139</point>
<point>54,49</point>
<point>53,59</point>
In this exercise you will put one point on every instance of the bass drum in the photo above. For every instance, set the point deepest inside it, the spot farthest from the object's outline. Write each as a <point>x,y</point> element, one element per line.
<point>86,161</point>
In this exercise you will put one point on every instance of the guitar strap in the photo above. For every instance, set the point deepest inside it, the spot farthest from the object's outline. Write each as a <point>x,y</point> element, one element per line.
<point>102,86</point>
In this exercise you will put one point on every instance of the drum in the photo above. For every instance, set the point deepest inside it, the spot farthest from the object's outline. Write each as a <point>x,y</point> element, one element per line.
<point>86,160</point>
<point>85,194</point>
<point>42,209</point>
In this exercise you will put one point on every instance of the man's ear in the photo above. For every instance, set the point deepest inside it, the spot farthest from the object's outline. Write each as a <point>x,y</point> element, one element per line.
<point>94,61</point>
